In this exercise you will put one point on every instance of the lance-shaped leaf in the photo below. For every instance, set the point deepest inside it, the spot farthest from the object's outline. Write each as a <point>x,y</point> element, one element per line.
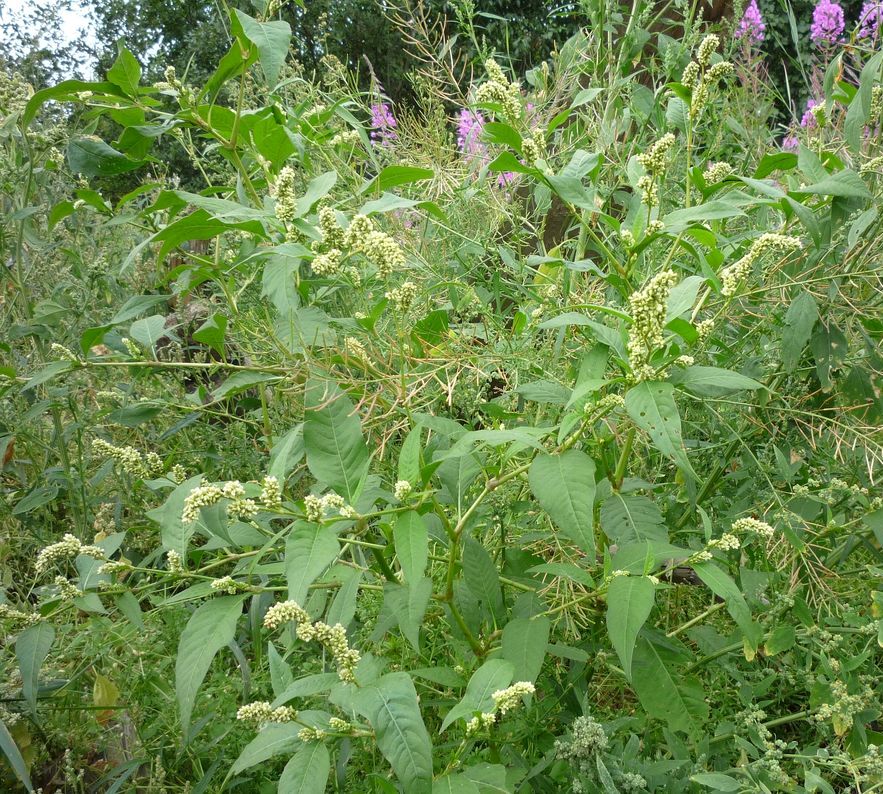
<point>31,649</point>
<point>390,705</point>
<point>209,629</point>
<point>629,603</point>
<point>492,675</point>
<point>564,485</point>
<point>307,771</point>
<point>336,452</point>
<point>652,407</point>
<point>309,550</point>
<point>411,538</point>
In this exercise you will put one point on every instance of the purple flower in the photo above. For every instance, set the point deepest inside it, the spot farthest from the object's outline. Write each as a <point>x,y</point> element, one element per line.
<point>383,124</point>
<point>870,20</point>
<point>790,143</point>
<point>827,23</point>
<point>808,120</point>
<point>469,128</point>
<point>751,26</point>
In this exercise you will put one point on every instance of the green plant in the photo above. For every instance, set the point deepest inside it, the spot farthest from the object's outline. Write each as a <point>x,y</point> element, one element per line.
<point>545,464</point>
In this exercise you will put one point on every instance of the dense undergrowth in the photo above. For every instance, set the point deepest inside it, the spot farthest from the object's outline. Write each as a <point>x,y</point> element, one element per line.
<point>525,441</point>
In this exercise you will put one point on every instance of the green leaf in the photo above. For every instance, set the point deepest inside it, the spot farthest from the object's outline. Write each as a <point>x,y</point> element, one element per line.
<point>490,778</point>
<point>712,381</point>
<point>564,485</point>
<point>212,332</point>
<point>632,518</point>
<point>318,188</point>
<point>93,157</point>
<point>481,576</point>
<point>799,321</point>
<point>242,381</point>
<point>149,330</point>
<point>309,550</point>
<point>409,603</point>
<point>224,210</point>
<point>287,452</point>
<point>455,784</point>
<point>846,183</point>
<point>336,451</point>
<point>306,686</point>
<point>630,600</point>
<point>275,739</point>
<point>209,629</point>
<point>125,72</point>
<point>679,220</point>
<point>652,407</point>
<point>47,373</point>
<point>394,175</point>
<point>31,649</point>
<point>859,108</point>
<point>272,40</point>
<point>717,781</point>
<point>174,533</point>
<point>411,537</point>
<point>670,696</point>
<point>494,674</point>
<point>307,771</point>
<point>720,583</point>
<point>390,705</point>
<point>524,644</point>
<point>137,304</point>
<point>409,456</point>
<point>13,755</point>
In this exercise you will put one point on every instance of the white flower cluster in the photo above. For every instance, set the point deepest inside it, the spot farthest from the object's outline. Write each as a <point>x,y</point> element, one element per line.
<point>362,237</point>
<point>534,148</point>
<point>17,616</point>
<point>311,734</point>
<point>271,491</point>
<point>653,161</point>
<point>726,542</point>
<point>328,263</point>
<point>332,637</point>
<point>315,507</point>
<point>402,490</point>
<point>332,234</point>
<point>261,712</point>
<point>499,91</point>
<point>778,244</point>
<point>67,590</point>
<point>346,138</point>
<point>717,172</point>
<point>700,76</point>
<point>505,700</point>
<point>587,740</point>
<point>285,195</point>
<point>207,495</point>
<point>753,526</point>
<point>174,562</point>
<point>402,297</point>
<point>227,584</point>
<point>648,306</point>
<point>67,548</point>
<point>354,348</point>
<point>129,459</point>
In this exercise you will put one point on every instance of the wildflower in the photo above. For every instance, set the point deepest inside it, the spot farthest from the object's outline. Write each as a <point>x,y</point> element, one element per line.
<point>67,590</point>
<point>178,473</point>
<point>357,231</point>
<point>685,361</point>
<point>700,556</point>
<point>383,124</point>
<point>334,640</point>
<point>199,497</point>
<point>647,185</point>
<point>384,252</point>
<point>480,722</point>
<point>734,274</point>
<point>286,198</point>
<point>285,612</point>
<point>587,739</point>
<point>707,47</point>
<point>340,726</point>
<point>691,75</point>
<point>751,27</point>
<point>648,307</point>
<point>499,91</point>
<point>313,508</point>
<point>810,118</point>
<point>717,172</point>
<point>402,297</point>
<point>470,125</point>
<point>534,148</point>
<point>726,542</point>
<point>174,562</point>
<point>332,234</point>
<point>17,616</point>
<point>870,20</point>
<point>226,584</point>
<point>704,329</point>
<point>507,699</point>
<point>753,526</point>
<point>346,138</point>
<point>311,734</point>
<point>790,143</point>
<point>129,459</point>
<point>828,23</point>
<point>271,491</point>
<point>261,712</point>
<point>348,511</point>
<point>654,158</point>
<point>65,549</point>
<point>354,348</point>
<point>619,572</point>
<point>402,490</point>
<point>327,264</point>
<point>114,566</point>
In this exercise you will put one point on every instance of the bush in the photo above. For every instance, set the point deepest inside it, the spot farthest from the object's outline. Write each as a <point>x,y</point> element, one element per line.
<point>526,446</point>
